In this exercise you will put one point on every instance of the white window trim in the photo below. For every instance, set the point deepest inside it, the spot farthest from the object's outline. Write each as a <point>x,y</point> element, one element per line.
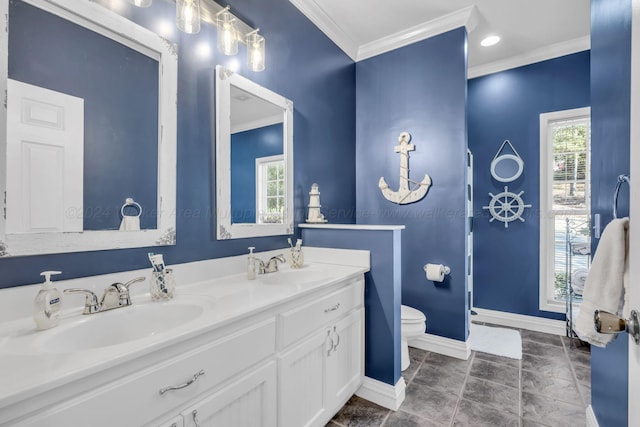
<point>547,236</point>
<point>260,190</point>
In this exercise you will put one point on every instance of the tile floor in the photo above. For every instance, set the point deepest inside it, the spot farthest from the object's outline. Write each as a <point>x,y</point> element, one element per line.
<point>550,386</point>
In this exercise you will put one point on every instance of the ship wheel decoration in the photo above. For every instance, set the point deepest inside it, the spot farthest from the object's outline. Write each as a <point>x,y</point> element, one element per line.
<point>405,195</point>
<point>506,206</point>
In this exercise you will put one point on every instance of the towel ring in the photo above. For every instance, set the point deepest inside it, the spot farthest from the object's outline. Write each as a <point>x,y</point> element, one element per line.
<point>130,202</point>
<point>621,179</point>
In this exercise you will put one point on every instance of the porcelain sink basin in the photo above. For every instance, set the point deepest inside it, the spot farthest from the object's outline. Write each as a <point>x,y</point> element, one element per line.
<point>299,276</point>
<point>122,325</point>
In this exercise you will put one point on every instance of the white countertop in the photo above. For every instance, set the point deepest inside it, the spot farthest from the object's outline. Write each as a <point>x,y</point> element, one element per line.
<point>28,366</point>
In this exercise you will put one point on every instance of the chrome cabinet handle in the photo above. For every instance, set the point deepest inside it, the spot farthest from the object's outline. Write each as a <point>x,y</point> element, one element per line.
<point>331,346</point>
<point>334,308</point>
<point>178,387</point>
<point>337,342</point>
<point>195,418</point>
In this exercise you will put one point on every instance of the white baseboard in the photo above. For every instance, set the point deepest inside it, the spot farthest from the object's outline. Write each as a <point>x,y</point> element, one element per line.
<point>532,323</point>
<point>446,346</point>
<point>592,421</point>
<point>386,395</point>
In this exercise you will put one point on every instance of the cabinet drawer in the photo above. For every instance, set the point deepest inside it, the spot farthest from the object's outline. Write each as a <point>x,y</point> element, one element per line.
<point>220,360</point>
<point>301,321</point>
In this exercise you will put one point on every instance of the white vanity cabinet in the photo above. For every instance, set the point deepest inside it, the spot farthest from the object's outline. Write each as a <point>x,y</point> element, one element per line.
<point>292,362</point>
<point>319,372</point>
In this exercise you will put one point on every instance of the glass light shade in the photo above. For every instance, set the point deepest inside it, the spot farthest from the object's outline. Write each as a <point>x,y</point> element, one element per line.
<point>141,3</point>
<point>255,51</point>
<point>227,33</point>
<point>188,16</point>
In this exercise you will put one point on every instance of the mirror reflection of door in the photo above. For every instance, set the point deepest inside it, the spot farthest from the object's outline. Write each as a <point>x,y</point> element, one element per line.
<point>257,160</point>
<point>45,146</point>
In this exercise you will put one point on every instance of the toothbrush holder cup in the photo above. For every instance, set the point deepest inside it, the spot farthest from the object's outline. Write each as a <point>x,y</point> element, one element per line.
<point>163,284</point>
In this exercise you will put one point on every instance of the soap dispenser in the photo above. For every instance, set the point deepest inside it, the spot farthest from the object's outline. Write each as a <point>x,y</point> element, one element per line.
<point>48,302</point>
<point>251,265</point>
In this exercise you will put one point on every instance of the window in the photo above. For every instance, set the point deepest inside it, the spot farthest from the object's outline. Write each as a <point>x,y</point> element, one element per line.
<point>565,146</point>
<point>270,185</point>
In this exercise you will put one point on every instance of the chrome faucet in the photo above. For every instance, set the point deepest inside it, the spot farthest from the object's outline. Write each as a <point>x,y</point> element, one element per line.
<point>270,266</point>
<point>115,295</point>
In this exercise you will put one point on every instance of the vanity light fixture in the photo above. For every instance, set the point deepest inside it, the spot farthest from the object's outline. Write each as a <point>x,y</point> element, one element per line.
<point>490,41</point>
<point>255,50</point>
<point>188,16</point>
<point>231,30</point>
<point>227,32</point>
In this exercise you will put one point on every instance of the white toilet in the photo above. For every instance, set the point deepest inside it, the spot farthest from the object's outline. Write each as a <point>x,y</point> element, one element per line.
<point>413,324</point>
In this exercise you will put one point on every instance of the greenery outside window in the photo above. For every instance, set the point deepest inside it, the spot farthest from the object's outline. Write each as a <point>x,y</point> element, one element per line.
<point>270,198</point>
<point>565,198</point>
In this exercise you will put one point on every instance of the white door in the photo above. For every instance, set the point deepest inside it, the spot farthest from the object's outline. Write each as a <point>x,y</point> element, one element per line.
<point>634,215</point>
<point>45,157</point>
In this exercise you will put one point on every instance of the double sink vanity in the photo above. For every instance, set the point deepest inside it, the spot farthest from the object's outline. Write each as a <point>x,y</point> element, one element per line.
<point>285,349</point>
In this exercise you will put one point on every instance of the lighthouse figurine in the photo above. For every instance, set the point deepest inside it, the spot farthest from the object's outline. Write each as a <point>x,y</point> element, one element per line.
<point>314,206</point>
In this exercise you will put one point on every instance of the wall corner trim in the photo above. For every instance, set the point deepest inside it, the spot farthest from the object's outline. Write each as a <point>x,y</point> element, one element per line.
<point>383,394</point>
<point>532,323</point>
<point>442,345</point>
<point>592,421</point>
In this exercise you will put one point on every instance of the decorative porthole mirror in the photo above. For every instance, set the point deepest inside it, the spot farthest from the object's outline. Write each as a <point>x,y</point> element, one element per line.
<point>506,167</point>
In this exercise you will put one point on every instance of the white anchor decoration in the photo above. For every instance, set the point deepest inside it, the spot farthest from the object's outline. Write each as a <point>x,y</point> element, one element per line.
<point>405,195</point>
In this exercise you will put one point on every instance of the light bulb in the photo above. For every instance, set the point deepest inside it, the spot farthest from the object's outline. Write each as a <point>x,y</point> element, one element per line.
<point>227,32</point>
<point>188,16</point>
<point>255,51</point>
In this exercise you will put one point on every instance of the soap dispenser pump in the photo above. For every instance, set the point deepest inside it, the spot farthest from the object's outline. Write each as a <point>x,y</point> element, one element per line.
<point>48,302</point>
<point>251,265</point>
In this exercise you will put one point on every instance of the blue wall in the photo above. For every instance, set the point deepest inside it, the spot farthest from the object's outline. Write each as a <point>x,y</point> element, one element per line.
<point>610,133</point>
<point>246,147</point>
<point>121,126</point>
<point>507,105</point>
<point>303,65</point>
<point>382,294</point>
<point>421,89</point>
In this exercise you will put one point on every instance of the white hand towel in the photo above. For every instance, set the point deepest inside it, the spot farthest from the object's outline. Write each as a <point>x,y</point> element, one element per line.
<point>606,284</point>
<point>130,223</point>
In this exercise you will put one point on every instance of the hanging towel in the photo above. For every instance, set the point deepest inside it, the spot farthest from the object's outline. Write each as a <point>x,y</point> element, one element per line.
<point>606,284</point>
<point>130,223</point>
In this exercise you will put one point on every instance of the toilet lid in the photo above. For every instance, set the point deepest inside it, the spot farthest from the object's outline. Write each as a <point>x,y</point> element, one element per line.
<point>411,314</point>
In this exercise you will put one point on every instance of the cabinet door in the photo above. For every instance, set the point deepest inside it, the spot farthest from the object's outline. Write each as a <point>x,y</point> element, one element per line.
<point>248,402</point>
<point>345,361</point>
<point>301,397</point>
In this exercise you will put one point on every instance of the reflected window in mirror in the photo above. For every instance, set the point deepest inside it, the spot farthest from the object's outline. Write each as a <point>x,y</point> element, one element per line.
<point>271,195</point>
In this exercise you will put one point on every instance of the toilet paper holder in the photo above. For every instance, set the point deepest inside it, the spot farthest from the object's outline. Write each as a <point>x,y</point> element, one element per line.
<point>436,272</point>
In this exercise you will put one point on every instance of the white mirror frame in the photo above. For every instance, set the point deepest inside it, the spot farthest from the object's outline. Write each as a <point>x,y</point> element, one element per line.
<point>504,158</point>
<point>109,24</point>
<point>225,229</point>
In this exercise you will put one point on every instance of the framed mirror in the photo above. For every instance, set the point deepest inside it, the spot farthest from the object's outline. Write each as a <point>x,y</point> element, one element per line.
<point>254,159</point>
<point>506,167</point>
<point>90,121</point>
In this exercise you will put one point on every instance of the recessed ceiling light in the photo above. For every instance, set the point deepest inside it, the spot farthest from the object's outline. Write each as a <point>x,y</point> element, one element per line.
<point>490,41</point>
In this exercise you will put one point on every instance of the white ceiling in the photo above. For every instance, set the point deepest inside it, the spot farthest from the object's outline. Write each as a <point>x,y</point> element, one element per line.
<point>531,30</point>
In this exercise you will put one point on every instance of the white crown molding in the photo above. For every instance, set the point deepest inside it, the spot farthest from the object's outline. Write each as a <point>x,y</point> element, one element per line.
<point>541,54</point>
<point>383,394</point>
<point>467,17</point>
<point>311,10</point>
<point>532,323</point>
<point>592,421</point>
<point>442,345</point>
